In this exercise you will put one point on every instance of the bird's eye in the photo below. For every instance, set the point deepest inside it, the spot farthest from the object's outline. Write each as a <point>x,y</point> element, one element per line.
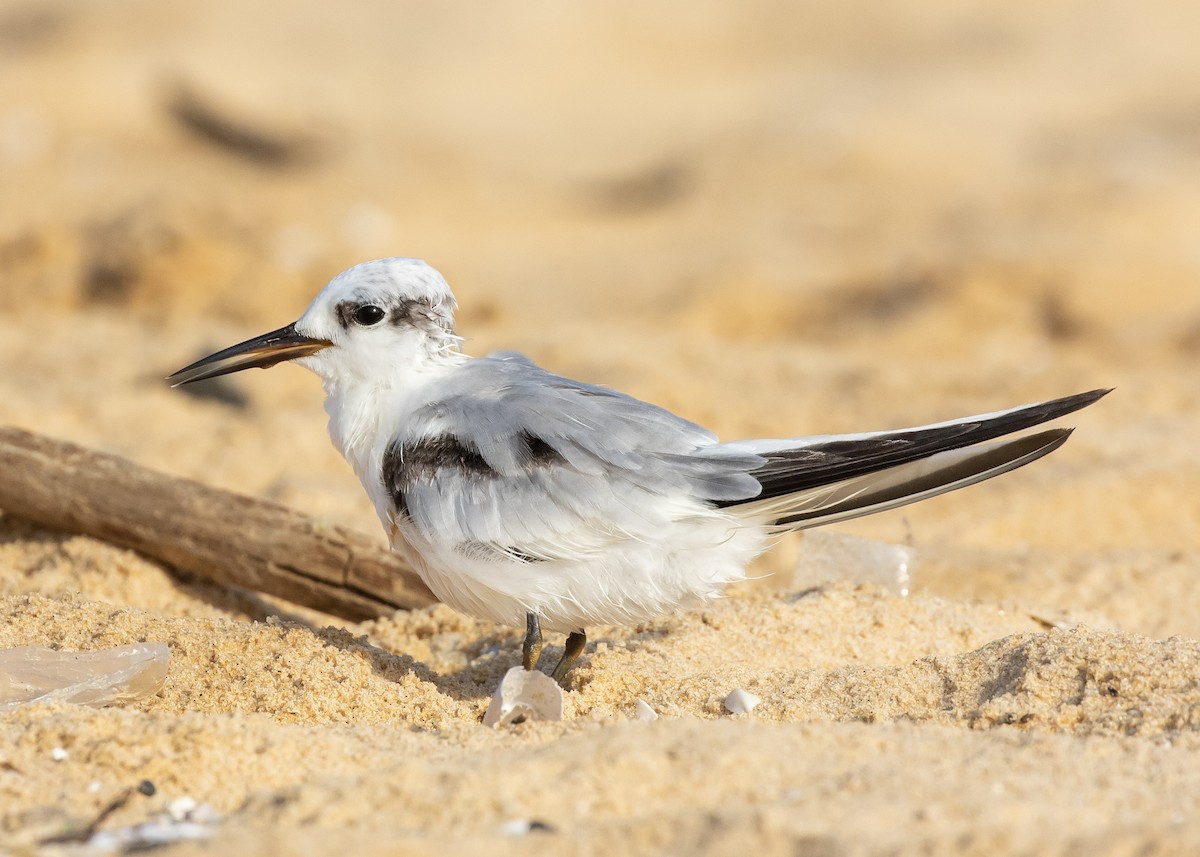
<point>369,314</point>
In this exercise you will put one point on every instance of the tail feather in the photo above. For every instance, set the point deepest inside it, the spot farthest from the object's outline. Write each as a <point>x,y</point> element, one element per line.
<point>901,485</point>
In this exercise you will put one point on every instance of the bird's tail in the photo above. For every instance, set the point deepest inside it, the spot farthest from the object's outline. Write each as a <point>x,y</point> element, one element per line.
<point>806,483</point>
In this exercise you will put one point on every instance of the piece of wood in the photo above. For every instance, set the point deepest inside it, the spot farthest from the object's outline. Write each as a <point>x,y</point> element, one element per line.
<point>214,534</point>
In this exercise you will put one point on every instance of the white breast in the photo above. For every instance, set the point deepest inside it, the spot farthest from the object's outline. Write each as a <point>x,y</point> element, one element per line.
<point>627,582</point>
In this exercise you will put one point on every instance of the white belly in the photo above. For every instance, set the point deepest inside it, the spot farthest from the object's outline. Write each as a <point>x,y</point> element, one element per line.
<point>626,583</point>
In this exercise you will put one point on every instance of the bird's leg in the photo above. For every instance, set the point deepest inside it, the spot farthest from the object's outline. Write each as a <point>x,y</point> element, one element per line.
<point>531,649</point>
<point>576,640</point>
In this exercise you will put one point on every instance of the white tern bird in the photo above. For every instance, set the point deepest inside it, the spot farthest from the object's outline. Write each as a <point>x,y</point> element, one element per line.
<point>521,496</point>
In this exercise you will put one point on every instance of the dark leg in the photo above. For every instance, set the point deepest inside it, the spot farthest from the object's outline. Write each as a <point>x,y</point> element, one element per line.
<point>531,649</point>
<point>576,640</point>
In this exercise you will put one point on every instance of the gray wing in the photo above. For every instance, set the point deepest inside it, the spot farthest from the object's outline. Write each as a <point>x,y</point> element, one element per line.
<point>515,460</point>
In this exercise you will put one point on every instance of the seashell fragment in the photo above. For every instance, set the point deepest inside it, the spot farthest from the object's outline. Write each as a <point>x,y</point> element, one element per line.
<point>645,712</point>
<point>524,695</point>
<point>741,701</point>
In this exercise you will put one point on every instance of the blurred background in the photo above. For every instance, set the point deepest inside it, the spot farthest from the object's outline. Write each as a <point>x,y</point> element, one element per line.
<point>775,218</point>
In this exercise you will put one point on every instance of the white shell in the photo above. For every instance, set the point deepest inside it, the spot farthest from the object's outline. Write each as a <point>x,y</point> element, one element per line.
<point>741,701</point>
<point>645,712</point>
<point>527,695</point>
<point>181,808</point>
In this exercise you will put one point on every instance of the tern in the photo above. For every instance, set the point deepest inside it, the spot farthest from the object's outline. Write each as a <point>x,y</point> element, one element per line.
<point>524,497</point>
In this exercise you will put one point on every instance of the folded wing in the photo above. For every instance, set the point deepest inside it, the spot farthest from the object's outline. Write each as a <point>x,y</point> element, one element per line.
<point>513,462</point>
<point>812,481</point>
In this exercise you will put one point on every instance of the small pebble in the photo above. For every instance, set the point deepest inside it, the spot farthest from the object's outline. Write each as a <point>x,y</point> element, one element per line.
<point>59,754</point>
<point>741,701</point>
<point>180,808</point>
<point>147,788</point>
<point>645,712</point>
<point>523,826</point>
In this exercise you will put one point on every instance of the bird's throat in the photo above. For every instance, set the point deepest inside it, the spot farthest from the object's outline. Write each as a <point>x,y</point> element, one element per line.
<point>365,418</point>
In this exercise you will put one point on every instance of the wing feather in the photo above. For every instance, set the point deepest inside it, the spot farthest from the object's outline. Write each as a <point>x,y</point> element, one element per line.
<point>516,458</point>
<point>812,462</point>
<point>513,461</point>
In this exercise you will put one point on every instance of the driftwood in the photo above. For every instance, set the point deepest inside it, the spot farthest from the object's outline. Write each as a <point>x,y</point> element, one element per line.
<point>228,538</point>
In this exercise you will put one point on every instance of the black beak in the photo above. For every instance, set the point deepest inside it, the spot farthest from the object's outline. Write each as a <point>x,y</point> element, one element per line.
<point>260,352</point>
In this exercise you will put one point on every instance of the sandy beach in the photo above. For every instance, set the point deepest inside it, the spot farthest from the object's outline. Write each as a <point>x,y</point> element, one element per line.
<point>774,219</point>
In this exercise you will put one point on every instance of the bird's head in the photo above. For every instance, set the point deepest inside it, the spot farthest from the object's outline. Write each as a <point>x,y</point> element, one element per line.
<point>368,322</point>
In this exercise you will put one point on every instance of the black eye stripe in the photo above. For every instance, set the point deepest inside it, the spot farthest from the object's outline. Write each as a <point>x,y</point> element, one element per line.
<point>421,313</point>
<point>369,314</point>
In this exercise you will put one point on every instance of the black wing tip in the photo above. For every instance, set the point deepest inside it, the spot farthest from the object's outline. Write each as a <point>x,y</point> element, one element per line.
<point>1069,404</point>
<point>1046,441</point>
<point>1093,395</point>
<point>1004,456</point>
<point>784,474</point>
<point>1056,437</point>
